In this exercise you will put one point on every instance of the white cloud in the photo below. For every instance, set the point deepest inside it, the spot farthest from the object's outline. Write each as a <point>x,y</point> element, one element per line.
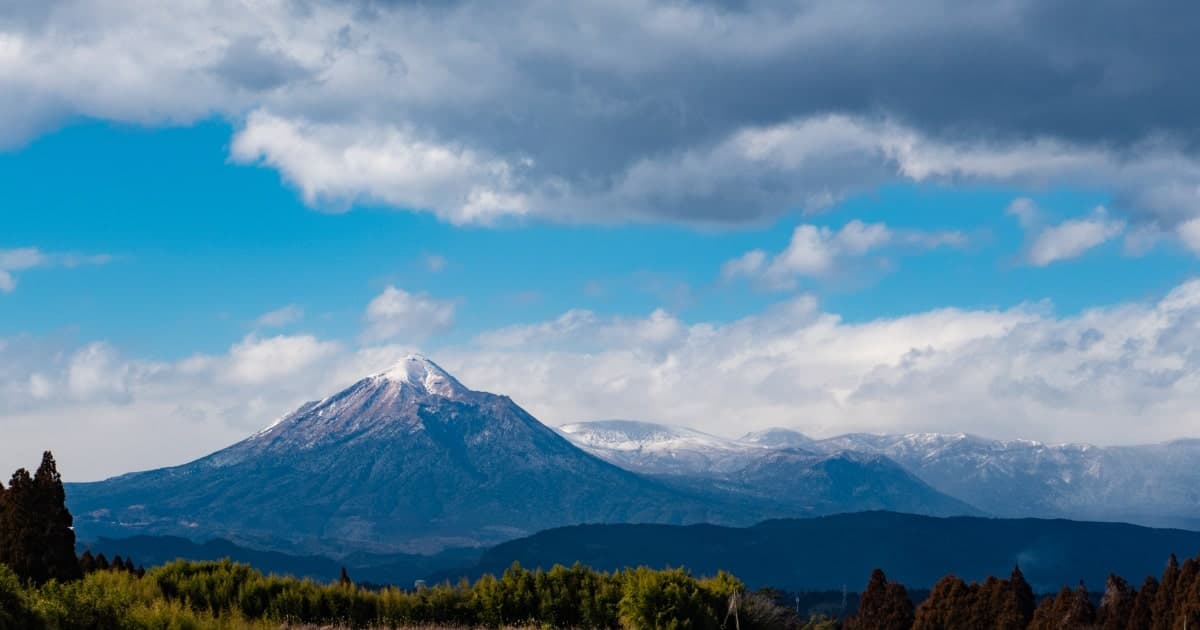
<point>477,112</point>
<point>25,258</point>
<point>255,360</point>
<point>341,164</point>
<point>281,316</point>
<point>1065,240</point>
<point>816,251</point>
<point>396,313</point>
<point>1121,374</point>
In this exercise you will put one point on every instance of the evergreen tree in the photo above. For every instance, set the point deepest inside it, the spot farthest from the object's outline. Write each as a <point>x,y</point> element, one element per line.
<point>56,538</point>
<point>1024,601</point>
<point>883,606</point>
<point>117,563</point>
<point>949,606</point>
<point>1116,607</point>
<point>344,579</point>
<point>1164,601</point>
<point>1142,615</point>
<point>1080,612</point>
<point>101,562</point>
<point>87,562</point>
<point>20,548</point>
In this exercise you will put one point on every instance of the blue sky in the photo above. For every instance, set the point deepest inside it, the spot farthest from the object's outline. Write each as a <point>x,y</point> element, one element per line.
<point>206,246</point>
<point>721,215</point>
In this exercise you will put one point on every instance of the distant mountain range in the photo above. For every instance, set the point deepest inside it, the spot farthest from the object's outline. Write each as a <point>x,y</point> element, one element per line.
<point>1157,485</point>
<point>411,460</point>
<point>826,552</point>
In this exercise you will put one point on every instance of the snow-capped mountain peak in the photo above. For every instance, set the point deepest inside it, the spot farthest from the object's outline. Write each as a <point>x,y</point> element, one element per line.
<point>423,375</point>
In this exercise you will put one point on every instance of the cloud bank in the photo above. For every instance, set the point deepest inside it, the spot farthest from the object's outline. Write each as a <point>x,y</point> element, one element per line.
<point>1126,373</point>
<point>690,111</point>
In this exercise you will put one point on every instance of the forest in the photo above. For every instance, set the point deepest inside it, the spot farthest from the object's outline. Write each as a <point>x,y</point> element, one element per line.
<point>44,584</point>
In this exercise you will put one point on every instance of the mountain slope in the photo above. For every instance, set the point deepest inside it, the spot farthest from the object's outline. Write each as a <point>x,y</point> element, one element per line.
<point>827,552</point>
<point>795,480</point>
<point>405,460</point>
<point>1155,484</point>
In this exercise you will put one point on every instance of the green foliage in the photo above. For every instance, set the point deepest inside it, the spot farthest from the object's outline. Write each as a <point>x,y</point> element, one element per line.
<point>36,539</point>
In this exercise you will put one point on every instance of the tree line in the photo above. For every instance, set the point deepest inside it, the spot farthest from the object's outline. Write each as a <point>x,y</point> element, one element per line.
<point>1169,603</point>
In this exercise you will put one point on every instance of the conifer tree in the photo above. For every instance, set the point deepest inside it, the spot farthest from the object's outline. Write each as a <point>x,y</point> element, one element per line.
<point>1022,595</point>
<point>883,606</point>
<point>117,563</point>
<point>53,541</point>
<point>87,562</point>
<point>344,580</point>
<point>101,562</point>
<point>1142,615</point>
<point>1164,601</point>
<point>19,549</point>
<point>1116,606</point>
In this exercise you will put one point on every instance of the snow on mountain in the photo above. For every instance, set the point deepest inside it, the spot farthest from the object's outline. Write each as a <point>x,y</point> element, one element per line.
<point>1157,484</point>
<point>407,459</point>
<point>658,448</point>
<point>763,467</point>
<point>777,438</point>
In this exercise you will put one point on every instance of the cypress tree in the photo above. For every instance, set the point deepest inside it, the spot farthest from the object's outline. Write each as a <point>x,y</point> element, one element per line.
<point>1164,601</point>
<point>1116,607</point>
<point>344,580</point>
<point>1142,615</point>
<point>101,562</point>
<point>1080,612</point>
<point>1023,596</point>
<point>56,540</point>
<point>883,606</point>
<point>87,562</point>
<point>117,563</point>
<point>21,537</point>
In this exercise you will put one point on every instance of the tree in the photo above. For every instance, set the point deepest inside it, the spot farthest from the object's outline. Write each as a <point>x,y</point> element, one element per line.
<point>1116,606</point>
<point>56,538</point>
<point>344,580</point>
<point>1164,601</point>
<point>1142,615</point>
<point>101,562</point>
<point>883,606</point>
<point>87,562</point>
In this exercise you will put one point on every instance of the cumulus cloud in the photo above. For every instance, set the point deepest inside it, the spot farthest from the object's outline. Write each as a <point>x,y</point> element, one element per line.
<point>25,258</point>
<point>1120,374</point>
<point>396,313</point>
<point>476,112</point>
<point>281,316</point>
<point>1068,239</point>
<point>816,251</point>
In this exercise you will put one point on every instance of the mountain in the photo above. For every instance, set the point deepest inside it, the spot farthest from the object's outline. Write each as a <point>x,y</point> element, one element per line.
<point>659,449</point>
<point>1156,484</point>
<point>408,459</point>
<point>828,552</point>
<point>796,480</point>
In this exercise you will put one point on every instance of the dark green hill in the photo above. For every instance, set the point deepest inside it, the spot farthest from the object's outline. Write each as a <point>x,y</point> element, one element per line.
<point>827,552</point>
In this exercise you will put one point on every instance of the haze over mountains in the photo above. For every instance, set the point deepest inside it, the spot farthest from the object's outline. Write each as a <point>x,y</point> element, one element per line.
<point>1156,485</point>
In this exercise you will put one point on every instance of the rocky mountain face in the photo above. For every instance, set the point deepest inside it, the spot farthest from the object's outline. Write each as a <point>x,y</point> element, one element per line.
<point>1157,485</point>
<point>405,460</point>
